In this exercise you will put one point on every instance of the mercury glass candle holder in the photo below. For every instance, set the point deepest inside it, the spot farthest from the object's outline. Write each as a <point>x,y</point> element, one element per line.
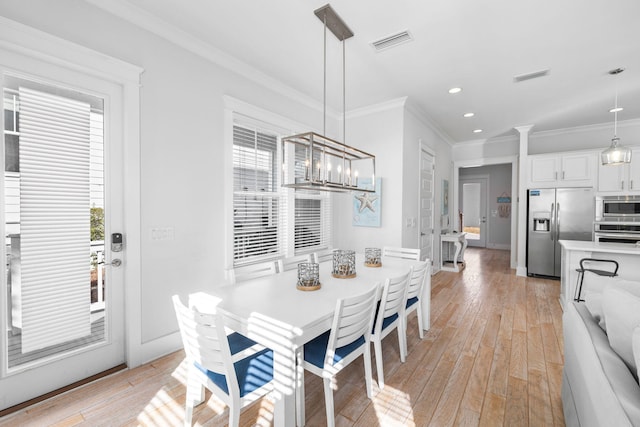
<point>373,257</point>
<point>344,264</point>
<point>308,276</point>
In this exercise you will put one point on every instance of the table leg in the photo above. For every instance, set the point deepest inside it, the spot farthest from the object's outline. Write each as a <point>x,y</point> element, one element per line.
<point>284,364</point>
<point>455,256</point>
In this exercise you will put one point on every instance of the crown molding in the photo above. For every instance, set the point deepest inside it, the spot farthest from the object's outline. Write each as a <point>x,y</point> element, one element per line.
<point>155,25</point>
<point>586,128</point>
<point>423,117</point>
<point>377,108</point>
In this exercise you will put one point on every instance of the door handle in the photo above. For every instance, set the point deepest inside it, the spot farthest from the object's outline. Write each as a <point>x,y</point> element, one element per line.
<point>557,221</point>
<point>423,234</point>
<point>552,222</point>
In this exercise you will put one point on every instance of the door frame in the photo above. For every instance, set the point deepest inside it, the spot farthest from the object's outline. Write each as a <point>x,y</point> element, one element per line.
<point>482,180</point>
<point>513,160</point>
<point>38,45</point>
<point>423,147</point>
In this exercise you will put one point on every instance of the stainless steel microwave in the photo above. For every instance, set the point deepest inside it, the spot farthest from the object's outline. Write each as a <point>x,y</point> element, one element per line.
<point>618,208</point>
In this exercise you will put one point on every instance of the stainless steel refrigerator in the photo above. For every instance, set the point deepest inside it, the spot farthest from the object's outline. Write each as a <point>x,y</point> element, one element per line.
<point>556,214</point>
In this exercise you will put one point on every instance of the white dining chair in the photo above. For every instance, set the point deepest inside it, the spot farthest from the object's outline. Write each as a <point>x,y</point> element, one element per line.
<point>404,253</point>
<point>252,271</point>
<point>322,256</point>
<point>389,316</point>
<point>330,352</point>
<point>226,365</point>
<point>413,297</point>
<point>291,263</point>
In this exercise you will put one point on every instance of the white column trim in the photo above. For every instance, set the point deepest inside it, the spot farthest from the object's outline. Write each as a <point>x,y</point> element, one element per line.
<point>522,198</point>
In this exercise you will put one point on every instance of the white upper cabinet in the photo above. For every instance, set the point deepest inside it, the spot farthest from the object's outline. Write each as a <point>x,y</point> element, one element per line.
<point>620,178</point>
<point>563,170</point>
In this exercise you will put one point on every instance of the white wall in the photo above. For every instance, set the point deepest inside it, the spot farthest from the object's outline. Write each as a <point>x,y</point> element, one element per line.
<point>377,130</point>
<point>182,155</point>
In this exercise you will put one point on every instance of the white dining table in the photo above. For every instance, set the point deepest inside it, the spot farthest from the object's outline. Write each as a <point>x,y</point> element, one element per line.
<point>274,313</point>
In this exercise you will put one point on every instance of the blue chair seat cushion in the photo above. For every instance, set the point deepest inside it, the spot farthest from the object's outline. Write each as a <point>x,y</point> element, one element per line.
<point>385,322</point>
<point>238,342</point>
<point>411,301</point>
<point>252,372</point>
<point>316,349</point>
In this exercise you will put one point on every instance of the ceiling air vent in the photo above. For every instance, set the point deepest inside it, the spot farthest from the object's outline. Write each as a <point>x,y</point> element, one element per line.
<point>392,40</point>
<point>528,76</point>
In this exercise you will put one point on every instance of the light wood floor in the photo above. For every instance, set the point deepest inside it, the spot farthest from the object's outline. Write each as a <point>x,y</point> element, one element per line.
<point>493,357</point>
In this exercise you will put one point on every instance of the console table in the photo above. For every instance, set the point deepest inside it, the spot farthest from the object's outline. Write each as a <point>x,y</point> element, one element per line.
<point>459,242</point>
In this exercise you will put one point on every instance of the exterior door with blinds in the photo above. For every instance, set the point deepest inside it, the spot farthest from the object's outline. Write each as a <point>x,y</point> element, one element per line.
<point>62,318</point>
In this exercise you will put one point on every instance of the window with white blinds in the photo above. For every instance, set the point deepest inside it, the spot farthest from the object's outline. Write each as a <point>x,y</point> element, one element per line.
<point>266,224</point>
<point>256,201</point>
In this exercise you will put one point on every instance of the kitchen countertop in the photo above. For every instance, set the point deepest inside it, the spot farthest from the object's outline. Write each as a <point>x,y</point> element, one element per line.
<point>614,248</point>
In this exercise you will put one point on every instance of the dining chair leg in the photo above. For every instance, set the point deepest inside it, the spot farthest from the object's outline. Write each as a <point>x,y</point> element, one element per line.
<point>368,374</point>
<point>195,396</point>
<point>300,394</point>
<point>377,345</point>
<point>420,322</point>
<point>234,414</point>
<point>404,326</point>
<point>328,402</point>
<point>402,338</point>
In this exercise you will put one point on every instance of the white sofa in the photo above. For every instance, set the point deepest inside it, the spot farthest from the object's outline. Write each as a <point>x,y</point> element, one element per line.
<point>599,386</point>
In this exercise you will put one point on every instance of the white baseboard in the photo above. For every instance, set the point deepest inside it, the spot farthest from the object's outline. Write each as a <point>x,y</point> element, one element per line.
<point>521,271</point>
<point>159,347</point>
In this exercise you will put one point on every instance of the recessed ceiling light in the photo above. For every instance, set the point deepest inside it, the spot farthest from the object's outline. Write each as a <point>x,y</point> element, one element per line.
<point>455,90</point>
<point>468,115</point>
<point>477,130</point>
<point>616,110</point>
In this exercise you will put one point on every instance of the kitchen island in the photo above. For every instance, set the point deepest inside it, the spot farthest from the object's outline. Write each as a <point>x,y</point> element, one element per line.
<point>627,256</point>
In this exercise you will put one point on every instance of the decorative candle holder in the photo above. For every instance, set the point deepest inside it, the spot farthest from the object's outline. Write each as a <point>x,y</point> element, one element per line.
<point>344,264</point>
<point>308,276</point>
<point>373,257</point>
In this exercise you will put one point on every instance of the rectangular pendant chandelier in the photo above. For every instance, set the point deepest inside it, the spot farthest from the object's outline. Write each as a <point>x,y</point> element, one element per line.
<point>314,162</point>
<point>311,161</point>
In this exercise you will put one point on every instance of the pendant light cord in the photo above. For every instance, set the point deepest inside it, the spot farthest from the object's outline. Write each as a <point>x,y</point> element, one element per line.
<point>615,116</point>
<point>344,96</point>
<point>324,85</point>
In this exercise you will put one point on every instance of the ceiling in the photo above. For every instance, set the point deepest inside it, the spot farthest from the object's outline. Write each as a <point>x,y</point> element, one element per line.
<point>476,45</point>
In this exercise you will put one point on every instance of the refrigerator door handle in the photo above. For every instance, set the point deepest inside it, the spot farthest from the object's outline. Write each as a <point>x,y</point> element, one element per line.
<point>552,225</point>
<point>557,221</point>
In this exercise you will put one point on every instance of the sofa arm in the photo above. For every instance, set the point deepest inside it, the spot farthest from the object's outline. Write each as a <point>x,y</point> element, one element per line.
<point>603,389</point>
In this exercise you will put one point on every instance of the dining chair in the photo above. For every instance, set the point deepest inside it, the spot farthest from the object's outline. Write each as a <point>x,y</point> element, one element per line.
<point>389,316</point>
<point>347,339</point>
<point>226,365</point>
<point>291,263</point>
<point>252,271</point>
<point>322,256</point>
<point>412,299</point>
<point>404,253</point>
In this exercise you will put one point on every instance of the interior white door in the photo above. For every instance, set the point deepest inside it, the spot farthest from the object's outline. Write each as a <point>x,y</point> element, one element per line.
<point>427,167</point>
<point>474,210</point>
<point>62,305</point>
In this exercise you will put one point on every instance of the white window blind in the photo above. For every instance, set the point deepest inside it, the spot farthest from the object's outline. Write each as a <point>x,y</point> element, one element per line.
<point>54,209</point>
<point>257,204</point>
